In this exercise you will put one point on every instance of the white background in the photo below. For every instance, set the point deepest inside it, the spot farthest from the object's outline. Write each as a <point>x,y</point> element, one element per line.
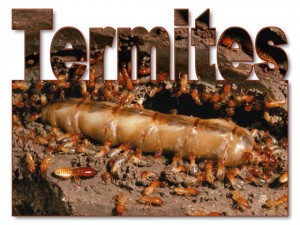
<point>251,15</point>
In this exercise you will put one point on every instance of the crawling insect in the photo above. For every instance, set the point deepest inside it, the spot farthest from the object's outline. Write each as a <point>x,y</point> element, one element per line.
<point>120,201</point>
<point>221,171</point>
<point>194,181</point>
<point>185,191</point>
<point>240,201</point>
<point>106,177</point>
<point>76,173</point>
<point>283,177</point>
<point>30,163</point>
<point>152,188</point>
<point>276,202</point>
<point>201,212</point>
<point>45,163</point>
<point>236,183</point>
<point>209,172</point>
<point>148,176</point>
<point>193,168</point>
<point>151,200</point>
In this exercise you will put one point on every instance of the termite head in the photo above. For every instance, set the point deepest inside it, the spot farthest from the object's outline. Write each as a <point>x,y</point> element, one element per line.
<point>209,165</point>
<point>215,98</point>
<point>176,159</point>
<point>226,88</point>
<point>247,157</point>
<point>248,108</point>
<point>205,96</point>
<point>106,177</point>
<point>158,154</point>
<point>192,157</point>
<point>107,143</point>
<point>227,42</point>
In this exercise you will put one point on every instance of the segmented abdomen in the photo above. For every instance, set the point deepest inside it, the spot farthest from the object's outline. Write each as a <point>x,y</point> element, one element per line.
<point>150,130</point>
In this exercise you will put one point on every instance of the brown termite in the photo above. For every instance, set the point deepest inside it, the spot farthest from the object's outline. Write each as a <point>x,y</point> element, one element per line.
<point>209,172</point>
<point>276,202</point>
<point>221,170</point>
<point>184,85</point>
<point>146,175</point>
<point>30,162</point>
<point>240,201</point>
<point>120,201</point>
<point>196,97</point>
<point>106,177</point>
<point>193,168</point>
<point>151,200</point>
<point>283,177</point>
<point>235,182</point>
<point>152,188</point>
<point>185,191</point>
<point>194,181</point>
<point>21,85</point>
<point>45,163</point>
<point>201,212</point>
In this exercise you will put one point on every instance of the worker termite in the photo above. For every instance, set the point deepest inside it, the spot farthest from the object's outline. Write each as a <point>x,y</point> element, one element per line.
<point>152,188</point>
<point>221,171</point>
<point>274,104</point>
<point>147,176</point>
<point>235,182</point>
<point>283,177</point>
<point>194,181</point>
<point>151,200</point>
<point>30,162</point>
<point>106,177</point>
<point>241,202</point>
<point>185,191</point>
<point>45,163</point>
<point>276,202</point>
<point>120,201</point>
<point>209,172</point>
<point>193,168</point>
<point>201,212</point>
